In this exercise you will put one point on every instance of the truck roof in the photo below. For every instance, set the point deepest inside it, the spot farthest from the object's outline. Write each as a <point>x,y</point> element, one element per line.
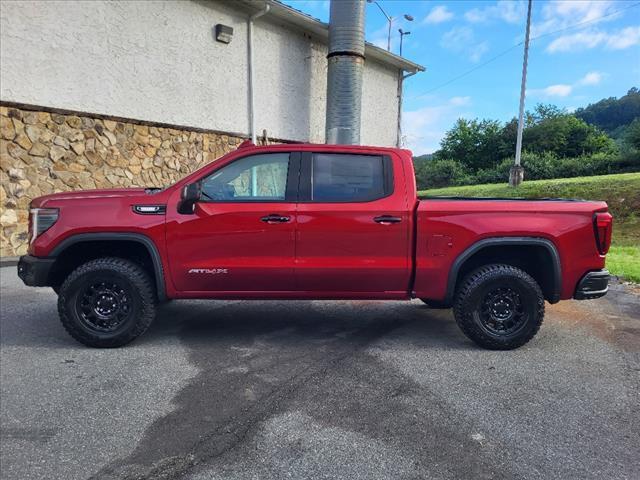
<point>248,146</point>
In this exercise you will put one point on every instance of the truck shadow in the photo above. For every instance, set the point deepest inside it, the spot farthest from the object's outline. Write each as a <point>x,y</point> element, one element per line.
<point>310,323</point>
<point>307,324</point>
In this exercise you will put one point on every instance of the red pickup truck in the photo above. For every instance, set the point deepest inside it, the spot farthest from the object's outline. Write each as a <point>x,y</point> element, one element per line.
<point>308,221</point>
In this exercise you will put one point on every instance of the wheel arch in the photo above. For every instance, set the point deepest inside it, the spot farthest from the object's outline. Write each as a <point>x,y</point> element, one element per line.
<point>122,237</point>
<point>551,284</point>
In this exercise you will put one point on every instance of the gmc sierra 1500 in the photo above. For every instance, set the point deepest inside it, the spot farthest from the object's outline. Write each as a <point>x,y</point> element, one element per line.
<point>310,221</point>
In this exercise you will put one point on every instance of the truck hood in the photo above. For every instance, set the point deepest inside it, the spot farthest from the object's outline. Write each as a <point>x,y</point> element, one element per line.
<point>88,194</point>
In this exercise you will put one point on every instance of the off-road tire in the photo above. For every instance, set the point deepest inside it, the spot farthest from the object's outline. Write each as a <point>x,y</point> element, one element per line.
<point>474,290</point>
<point>139,293</point>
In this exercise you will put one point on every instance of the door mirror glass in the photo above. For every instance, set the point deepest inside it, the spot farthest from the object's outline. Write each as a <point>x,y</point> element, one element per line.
<point>189,197</point>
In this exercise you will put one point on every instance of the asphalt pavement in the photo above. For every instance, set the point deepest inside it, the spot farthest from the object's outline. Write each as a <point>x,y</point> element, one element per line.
<point>316,389</point>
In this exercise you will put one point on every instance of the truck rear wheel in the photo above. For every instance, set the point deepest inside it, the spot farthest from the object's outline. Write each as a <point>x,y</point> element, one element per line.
<point>107,302</point>
<point>499,307</point>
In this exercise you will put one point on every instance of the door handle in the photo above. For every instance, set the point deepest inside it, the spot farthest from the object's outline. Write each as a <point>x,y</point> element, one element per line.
<point>274,218</point>
<point>387,219</point>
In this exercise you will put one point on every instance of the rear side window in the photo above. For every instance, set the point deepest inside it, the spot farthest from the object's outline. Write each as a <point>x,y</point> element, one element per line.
<point>349,178</point>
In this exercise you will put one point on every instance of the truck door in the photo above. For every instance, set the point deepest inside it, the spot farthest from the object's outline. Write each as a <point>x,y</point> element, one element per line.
<point>353,238</point>
<point>240,237</point>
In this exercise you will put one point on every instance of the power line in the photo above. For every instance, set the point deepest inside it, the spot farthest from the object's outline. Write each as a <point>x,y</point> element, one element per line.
<point>504,52</point>
<point>468,71</point>
<point>585,22</point>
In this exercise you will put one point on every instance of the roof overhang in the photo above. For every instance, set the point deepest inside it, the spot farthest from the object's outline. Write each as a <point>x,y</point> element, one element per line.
<point>315,27</point>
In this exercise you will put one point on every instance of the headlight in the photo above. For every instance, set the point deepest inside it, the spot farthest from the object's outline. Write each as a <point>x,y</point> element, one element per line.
<point>41,220</point>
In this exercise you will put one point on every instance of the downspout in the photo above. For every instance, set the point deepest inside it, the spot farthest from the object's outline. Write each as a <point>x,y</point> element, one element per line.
<point>252,103</point>
<point>401,79</point>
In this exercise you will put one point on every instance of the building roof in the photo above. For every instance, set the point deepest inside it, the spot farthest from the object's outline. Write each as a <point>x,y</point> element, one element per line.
<point>305,22</point>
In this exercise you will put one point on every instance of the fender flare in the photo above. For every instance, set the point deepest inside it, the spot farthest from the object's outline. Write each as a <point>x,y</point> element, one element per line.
<point>502,241</point>
<point>156,260</point>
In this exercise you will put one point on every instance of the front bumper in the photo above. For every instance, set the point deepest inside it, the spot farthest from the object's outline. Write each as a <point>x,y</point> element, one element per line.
<point>34,271</point>
<point>593,285</point>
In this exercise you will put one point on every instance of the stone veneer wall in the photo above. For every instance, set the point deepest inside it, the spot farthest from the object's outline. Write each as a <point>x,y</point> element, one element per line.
<point>44,152</point>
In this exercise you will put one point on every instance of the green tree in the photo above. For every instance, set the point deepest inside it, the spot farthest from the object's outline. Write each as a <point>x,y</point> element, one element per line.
<point>610,113</point>
<point>473,143</point>
<point>632,134</point>
<point>565,136</point>
<point>543,112</point>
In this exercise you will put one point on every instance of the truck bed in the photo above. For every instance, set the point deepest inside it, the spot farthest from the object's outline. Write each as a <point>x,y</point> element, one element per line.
<point>448,226</point>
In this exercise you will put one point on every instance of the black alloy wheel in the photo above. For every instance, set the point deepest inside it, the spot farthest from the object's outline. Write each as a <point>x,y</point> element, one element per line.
<point>502,312</point>
<point>103,305</point>
<point>499,307</point>
<point>107,302</point>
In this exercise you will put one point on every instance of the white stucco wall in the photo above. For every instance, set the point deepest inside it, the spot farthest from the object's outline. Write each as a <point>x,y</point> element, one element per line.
<point>158,61</point>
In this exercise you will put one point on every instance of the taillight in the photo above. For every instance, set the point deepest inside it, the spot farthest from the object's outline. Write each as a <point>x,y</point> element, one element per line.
<point>603,226</point>
<point>41,220</point>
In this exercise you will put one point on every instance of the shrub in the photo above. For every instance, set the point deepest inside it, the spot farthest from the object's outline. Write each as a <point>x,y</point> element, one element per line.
<point>537,166</point>
<point>440,173</point>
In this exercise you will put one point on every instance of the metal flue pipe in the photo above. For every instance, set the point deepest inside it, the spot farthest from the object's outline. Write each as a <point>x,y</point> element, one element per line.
<point>252,100</point>
<point>344,75</point>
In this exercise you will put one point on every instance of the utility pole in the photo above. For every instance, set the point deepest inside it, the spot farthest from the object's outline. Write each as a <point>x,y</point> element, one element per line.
<point>516,174</point>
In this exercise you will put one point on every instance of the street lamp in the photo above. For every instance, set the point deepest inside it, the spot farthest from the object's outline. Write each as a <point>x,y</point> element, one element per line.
<point>402,34</point>
<point>390,20</point>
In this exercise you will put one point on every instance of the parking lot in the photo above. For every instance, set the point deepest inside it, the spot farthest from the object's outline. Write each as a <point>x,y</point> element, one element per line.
<point>306,389</point>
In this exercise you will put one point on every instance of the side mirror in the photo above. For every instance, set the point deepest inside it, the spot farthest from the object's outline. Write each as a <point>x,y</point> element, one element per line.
<point>188,198</point>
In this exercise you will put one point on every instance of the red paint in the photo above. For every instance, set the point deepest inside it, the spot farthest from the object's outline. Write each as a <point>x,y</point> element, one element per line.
<point>327,250</point>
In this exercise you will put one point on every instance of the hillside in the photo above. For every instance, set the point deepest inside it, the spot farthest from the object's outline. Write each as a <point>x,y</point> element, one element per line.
<point>610,114</point>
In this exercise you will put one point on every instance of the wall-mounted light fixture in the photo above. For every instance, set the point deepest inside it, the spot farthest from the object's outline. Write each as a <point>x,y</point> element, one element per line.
<point>224,33</point>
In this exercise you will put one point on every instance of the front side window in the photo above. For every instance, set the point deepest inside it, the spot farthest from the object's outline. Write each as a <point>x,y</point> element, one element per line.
<point>255,178</point>
<point>347,178</point>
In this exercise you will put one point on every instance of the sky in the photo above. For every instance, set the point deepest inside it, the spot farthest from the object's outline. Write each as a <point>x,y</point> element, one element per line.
<point>580,52</point>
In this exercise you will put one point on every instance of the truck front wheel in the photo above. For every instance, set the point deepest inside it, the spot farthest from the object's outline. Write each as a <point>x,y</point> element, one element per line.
<point>107,302</point>
<point>499,307</point>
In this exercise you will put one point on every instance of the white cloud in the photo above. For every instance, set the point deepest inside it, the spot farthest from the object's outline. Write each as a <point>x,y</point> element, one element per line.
<point>625,38</point>
<point>591,78</point>
<point>477,51</point>
<point>475,15</point>
<point>462,40</point>
<point>457,37</point>
<point>564,90</point>
<point>509,11</point>
<point>567,43</point>
<point>565,13</point>
<point>559,90</point>
<point>459,101</point>
<point>424,128</point>
<point>439,14</point>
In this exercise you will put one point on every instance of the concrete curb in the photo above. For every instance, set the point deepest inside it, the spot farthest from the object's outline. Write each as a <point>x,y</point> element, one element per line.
<point>9,261</point>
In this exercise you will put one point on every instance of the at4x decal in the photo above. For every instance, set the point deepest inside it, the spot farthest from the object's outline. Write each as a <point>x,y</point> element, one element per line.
<point>209,271</point>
